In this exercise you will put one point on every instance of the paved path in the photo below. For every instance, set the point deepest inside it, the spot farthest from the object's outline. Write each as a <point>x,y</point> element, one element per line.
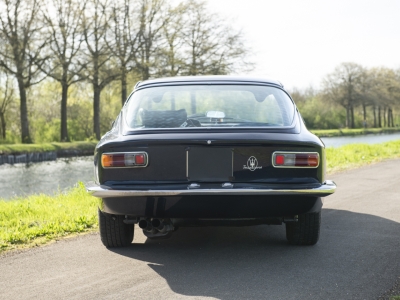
<point>357,257</point>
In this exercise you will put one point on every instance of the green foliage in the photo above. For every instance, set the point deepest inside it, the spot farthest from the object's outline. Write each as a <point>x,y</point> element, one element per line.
<point>319,114</point>
<point>11,138</point>
<point>40,218</point>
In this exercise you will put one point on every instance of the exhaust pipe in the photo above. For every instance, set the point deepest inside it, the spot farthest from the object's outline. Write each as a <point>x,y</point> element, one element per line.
<point>162,226</point>
<point>146,225</point>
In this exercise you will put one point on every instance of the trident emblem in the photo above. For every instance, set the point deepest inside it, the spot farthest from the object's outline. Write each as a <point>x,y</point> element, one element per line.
<point>252,163</point>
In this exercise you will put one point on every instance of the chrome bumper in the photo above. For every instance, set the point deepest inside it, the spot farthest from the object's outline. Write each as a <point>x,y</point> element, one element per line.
<point>327,188</point>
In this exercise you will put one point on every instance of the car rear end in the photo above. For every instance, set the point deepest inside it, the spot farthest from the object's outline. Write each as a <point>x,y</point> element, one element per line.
<point>180,155</point>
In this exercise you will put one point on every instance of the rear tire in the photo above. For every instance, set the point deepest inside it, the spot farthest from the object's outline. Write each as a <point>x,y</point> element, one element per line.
<point>113,231</point>
<point>306,230</point>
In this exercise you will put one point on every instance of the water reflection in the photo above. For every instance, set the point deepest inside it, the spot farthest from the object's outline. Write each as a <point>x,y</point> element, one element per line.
<point>365,139</point>
<point>46,177</point>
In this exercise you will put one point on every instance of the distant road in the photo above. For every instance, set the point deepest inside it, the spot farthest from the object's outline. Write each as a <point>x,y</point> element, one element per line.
<point>357,257</point>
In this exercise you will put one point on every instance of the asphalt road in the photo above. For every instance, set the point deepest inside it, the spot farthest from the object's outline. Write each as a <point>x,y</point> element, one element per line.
<point>357,257</point>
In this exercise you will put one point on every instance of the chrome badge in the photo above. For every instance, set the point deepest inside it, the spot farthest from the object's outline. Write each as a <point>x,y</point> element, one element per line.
<point>252,164</point>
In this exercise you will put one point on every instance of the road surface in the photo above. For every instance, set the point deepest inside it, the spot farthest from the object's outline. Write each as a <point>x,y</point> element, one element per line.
<point>357,257</point>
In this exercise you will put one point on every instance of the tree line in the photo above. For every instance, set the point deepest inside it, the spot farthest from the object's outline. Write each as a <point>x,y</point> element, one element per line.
<point>99,42</point>
<point>352,96</point>
<point>60,59</point>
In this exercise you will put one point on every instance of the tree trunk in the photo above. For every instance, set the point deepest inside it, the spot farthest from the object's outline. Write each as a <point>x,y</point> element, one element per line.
<point>25,136</point>
<point>3,126</point>
<point>64,127</point>
<point>365,112</point>
<point>352,116</point>
<point>379,117</point>
<point>374,110</point>
<point>96,98</point>
<point>193,68</point>
<point>384,117</point>
<point>146,73</point>
<point>347,117</point>
<point>124,93</point>
<point>96,111</point>
<point>391,112</point>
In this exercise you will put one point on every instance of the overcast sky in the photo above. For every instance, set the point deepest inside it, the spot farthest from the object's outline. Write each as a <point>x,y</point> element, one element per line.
<point>298,42</point>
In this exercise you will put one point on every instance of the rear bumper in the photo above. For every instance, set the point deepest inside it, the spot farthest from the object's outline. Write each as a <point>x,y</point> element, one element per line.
<point>326,189</point>
<point>223,203</point>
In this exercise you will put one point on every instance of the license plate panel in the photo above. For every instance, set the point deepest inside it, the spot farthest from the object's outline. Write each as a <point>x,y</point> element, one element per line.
<point>209,164</point>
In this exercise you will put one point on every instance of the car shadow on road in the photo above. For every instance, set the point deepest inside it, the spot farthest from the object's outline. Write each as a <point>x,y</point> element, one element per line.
<point>357,257</point>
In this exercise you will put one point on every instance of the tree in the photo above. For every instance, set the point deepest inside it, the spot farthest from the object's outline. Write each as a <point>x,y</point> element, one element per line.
<point>62,21</point>
<point>99,68</point>
<point>122,40</point>
<point>152,19</point>
<point>20,45</point>
<point>211,46</point>
<point>6,97</point>
<point>385,86</point>
<point>343,87</point>
<point>171,60</point>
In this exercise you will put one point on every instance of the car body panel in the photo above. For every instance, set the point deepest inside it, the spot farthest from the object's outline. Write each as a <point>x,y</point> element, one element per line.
<point>210,172</point>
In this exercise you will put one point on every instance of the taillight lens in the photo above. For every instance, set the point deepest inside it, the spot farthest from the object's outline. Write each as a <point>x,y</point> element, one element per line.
<point>295,159</point>
<point>124,160</point>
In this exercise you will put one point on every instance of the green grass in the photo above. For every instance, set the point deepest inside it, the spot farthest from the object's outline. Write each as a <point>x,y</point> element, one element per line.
<point>38,219</point>
<point>356,155</point>
<point>46,147</point>
<point>395,298</point>
<point>353,132</point>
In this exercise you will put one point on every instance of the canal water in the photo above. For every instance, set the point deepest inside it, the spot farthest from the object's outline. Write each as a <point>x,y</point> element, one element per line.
<point>366,139</point>
<point>45,177</point>
<point>62,174</point>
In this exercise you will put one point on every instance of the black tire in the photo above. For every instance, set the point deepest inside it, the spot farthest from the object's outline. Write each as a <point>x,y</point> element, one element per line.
<point>305,231</point>
<point>113,231</point>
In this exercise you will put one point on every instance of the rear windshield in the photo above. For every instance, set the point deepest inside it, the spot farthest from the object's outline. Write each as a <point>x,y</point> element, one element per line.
<point>216,106</point>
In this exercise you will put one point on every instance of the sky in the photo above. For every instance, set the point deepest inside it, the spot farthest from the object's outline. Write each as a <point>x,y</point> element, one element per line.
<point>298,42</point>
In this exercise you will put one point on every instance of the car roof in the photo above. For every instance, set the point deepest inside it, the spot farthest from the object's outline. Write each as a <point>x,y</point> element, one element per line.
<point>206,79</point>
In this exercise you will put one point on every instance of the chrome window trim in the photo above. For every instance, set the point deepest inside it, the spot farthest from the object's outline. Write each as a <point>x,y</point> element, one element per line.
<point>293,167</point>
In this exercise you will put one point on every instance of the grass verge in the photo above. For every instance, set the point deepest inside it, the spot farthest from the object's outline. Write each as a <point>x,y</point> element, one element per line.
<point>357,155</point>
<point>38,219</point>
<point>47,147</point>
<point>353,132</point>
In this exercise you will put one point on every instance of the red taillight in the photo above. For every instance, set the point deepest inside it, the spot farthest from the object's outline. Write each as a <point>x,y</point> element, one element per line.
<point>280,160</point>
<point>139,159</point>
<point>295,159</point>
<point>124,160</point>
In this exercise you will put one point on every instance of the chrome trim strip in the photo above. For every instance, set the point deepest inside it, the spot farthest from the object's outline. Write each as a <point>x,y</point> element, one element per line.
<point>233,153</point>
<point>187,164</point>
<point>293,167</point>
<point>325,189</point>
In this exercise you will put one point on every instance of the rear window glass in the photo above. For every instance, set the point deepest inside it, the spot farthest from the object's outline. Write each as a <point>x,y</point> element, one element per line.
<point>216,106</point>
